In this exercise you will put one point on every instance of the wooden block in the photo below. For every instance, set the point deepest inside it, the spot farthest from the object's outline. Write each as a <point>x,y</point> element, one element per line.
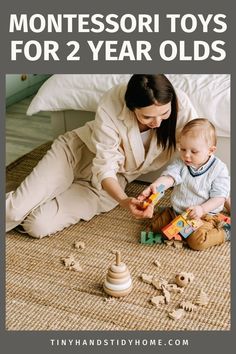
<point>149,238</point>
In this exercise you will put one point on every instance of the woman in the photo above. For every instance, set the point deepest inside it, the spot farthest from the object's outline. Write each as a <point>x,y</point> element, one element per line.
<point>86,170</point>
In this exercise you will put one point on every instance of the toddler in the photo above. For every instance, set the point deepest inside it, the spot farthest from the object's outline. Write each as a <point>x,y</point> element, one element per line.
<point>201,184</point>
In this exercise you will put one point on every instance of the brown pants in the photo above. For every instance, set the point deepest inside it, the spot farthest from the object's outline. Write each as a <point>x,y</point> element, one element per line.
<point>209,234</point>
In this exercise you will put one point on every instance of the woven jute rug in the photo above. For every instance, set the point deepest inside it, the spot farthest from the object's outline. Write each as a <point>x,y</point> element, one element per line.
<point>41,294</point>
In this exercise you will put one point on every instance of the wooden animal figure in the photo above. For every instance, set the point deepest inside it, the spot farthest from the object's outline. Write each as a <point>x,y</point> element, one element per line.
<point>118,281</point>
<point>153,199</point>
<point>149,238</point>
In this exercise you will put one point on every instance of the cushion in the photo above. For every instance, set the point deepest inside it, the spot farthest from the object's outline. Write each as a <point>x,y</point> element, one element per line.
<point>209,94</point>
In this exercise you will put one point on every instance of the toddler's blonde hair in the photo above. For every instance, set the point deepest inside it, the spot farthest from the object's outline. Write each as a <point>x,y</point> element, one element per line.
<point>201,127</point>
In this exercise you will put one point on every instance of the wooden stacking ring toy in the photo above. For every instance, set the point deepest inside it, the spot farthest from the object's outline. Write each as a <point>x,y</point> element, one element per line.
<point>118,281</point>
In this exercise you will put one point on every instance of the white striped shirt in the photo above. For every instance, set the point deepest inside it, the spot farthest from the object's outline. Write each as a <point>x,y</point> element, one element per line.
<point>196,186</point>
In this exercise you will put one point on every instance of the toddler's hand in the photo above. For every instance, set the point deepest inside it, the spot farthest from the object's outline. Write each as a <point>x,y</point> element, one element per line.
<point>196,212</point>
<point>152,189</point>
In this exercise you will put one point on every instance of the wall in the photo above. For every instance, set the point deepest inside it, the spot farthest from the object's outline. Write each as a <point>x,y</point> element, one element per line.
<point>20,86</point>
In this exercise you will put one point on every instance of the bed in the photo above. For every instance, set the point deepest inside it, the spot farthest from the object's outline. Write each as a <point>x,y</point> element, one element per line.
<point>72,101</point>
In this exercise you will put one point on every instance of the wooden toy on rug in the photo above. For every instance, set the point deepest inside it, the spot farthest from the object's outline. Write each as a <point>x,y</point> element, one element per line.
<point>188,306</point>
<point>181,226</point>
<point>79,245</point>
<point>118,281</point>
<point>146,278</point>
<point>157,300</point>
<point>71,264</point>
<point>183,279</point>
<point>202,298</point>
<point>176,314</point>
<point>224,218</point>
<point>153,199</point>
<point>149,238</point>
<point>224,221</point>
<point>157,263</point>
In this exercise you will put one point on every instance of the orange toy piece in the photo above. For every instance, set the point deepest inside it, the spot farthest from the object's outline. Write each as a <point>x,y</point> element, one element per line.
<point>153,199</point>
<point>171,231</point>
<point>225,218</point>
<point>181,226</point>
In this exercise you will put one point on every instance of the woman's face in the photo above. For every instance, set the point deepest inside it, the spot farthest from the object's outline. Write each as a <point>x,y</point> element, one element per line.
<point>152,116</point>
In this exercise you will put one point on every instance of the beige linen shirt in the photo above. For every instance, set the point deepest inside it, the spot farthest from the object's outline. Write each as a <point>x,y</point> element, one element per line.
<point>115,139</point>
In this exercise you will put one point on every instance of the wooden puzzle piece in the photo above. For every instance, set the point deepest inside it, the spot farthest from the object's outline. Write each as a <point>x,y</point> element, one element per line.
<point>157,263</point>
<point>158,283</point>
<point>174,288</point>
<point>202,299</point>
<point>174,227</point>
<point>166,294</point>
<point>154,198</point>
<point>76,267</point>
<point>178,244</point>
<point>79,245</point>
<point>157,300</point>
<point>146,278</point>
<point>176,314</point>
<point>71,264</point>
<point>195,223</point>
<point>188,306</point>
<point>181,226</point>
<point>169,243</point>
<point>68,261</point>
<point>149,238</point>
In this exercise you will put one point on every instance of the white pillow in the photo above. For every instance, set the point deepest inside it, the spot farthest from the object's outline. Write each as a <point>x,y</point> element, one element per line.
<point>76,92</point>
<point>209,94</point>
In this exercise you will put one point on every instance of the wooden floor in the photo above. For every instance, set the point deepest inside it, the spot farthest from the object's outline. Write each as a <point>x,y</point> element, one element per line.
<point>24,133</point>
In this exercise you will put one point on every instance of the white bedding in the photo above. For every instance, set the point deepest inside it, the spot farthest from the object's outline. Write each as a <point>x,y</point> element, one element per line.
<point>209,94</point>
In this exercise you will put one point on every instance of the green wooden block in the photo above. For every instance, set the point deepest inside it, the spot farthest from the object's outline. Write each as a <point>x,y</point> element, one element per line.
<point>158,238</point>
<point>150,238</point>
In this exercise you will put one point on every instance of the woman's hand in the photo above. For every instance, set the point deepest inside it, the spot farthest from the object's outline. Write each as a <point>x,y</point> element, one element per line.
<point>196,212</point>
<point>135,207</point>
